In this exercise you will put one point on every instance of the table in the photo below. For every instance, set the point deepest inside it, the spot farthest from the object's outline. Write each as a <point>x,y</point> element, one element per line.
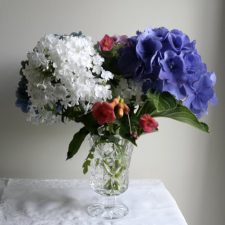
<point>64,202</point>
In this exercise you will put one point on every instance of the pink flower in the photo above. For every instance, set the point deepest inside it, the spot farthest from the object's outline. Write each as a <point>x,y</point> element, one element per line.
<point>107,43</point>
<point>103,113</point>
<point>147,123</point>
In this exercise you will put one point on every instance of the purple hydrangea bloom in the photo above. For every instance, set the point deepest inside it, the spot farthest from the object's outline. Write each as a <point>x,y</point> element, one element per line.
<point>22,100</point>
<point>202,92</point>
<point>151,84</point>
<point>161,33</point>
<point>178,42</point>
<point>194,63</point>
<point>128,61</point>
<point>173,73</point>
<point>168,61</point>
<point>148,45</point>
<point>120,39</point>
<point>172,67</point>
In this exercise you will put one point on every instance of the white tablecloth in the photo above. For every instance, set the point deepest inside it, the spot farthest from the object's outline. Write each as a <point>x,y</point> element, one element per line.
<point>64,202</point>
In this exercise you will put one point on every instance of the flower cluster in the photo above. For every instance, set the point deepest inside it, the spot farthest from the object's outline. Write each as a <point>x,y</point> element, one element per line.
<point>166,60</point>
<point>117,86</point>
<point>61,72</point>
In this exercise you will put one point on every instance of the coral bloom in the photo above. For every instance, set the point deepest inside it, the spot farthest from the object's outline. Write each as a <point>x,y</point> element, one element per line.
<point>147,123</point>
<point>106,44</point>
<point>103,113</point>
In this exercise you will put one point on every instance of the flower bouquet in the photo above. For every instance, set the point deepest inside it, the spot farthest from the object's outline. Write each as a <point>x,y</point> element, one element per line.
<point>116,88</point>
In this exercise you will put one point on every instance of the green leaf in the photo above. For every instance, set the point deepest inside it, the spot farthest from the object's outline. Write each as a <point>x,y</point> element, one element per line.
<point>162,101</point>
<point>165,105</point>
<point>157,102</point>
<point>183,114</point>
<point>87,161</point>
<point>76,142</point>
<point>125,130</point>
<point>90,123</point>
<point>148,107</point>
<point>107,168</point>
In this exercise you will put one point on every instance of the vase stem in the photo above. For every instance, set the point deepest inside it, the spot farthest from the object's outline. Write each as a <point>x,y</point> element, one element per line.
<point>109,208</point>
<point>110,201</point>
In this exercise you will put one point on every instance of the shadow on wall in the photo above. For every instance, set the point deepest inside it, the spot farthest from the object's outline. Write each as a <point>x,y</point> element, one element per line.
<point>213,197</point>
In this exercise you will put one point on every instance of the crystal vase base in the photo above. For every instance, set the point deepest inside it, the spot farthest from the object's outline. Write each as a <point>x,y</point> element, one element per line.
<point>109,210</point>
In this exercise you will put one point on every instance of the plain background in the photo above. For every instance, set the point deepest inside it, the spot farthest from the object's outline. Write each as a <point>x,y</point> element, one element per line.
<point>189,162</point>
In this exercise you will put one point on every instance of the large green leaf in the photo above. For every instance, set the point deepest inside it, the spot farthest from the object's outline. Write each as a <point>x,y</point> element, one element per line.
<point>165,105</point>
<point>162,101</point>
<point>158,102</point>
<point>182,114</point>
<point>76,142</point>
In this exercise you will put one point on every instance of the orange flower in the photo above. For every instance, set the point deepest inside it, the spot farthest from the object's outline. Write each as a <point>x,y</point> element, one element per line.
<point>122,108</point>
<point>114,102</point>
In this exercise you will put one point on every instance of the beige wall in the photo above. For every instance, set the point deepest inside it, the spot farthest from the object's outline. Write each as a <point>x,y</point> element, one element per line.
<point>191,163</point>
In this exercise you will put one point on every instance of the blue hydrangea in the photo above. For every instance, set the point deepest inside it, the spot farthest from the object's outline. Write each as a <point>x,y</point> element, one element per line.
<point>168,61</point>
<point>22,100</point>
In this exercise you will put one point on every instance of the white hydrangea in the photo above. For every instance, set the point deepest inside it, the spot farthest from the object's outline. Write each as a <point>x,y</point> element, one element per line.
<point>129,89</point>
<point>66,70</point>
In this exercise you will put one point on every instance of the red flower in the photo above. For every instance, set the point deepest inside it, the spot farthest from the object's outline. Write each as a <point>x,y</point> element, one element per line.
<point>107,42</point>
<point>103,113</point>
<point>147,123</point>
